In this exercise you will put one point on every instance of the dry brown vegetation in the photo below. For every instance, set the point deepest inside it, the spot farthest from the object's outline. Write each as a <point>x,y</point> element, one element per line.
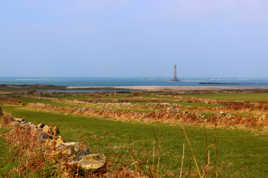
<point>37,156</point>
<point>141,107</point>
<point>226,115</point>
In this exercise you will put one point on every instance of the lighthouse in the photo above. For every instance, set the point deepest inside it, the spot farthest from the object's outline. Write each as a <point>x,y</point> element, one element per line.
<point>175,79</point>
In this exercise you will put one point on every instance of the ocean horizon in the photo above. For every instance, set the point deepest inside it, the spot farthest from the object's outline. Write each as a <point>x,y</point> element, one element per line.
<point>132,81</point>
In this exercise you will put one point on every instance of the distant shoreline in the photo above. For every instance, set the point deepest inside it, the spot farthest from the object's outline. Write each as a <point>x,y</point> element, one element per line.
<point>126,89</point>
<point>178,88</point>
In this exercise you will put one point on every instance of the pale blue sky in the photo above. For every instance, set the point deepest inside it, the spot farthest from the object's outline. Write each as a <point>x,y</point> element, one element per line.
<point>124,38</point>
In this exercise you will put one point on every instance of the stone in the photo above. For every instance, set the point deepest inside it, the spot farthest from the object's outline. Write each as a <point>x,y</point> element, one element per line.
<point>46,129</point>
<point>19,120</point>
<point>69,148</point>
<point>59,141</point>
<point>44,136</point>
<point>80,155</point>
<point>31,125</point>
<point>75,152</point>
<point>83,151</point>
<point>92,162</point>
<point>52,131</point>
<point>40,126</point>
<point>75,145</point>
<point>55,131</point>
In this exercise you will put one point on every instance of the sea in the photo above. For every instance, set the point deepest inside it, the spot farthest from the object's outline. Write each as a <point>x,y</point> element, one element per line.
<point>139,81</point>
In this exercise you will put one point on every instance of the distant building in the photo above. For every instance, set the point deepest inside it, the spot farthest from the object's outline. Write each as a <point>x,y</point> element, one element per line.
<point>175,79</point>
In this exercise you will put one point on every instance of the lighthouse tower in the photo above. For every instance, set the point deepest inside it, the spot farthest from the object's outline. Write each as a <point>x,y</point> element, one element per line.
<point>175,79</point>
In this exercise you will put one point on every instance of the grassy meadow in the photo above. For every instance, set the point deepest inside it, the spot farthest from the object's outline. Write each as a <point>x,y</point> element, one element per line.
<point>154,148</point>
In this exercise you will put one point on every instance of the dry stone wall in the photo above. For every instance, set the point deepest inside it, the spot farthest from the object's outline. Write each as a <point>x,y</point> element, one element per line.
<point>75,154</point>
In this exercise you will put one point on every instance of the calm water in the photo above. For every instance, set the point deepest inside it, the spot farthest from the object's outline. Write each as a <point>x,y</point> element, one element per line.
<point>87,91</point>
<point>134,81</point>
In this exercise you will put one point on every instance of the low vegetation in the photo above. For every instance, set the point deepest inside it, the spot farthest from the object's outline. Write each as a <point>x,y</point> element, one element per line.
<point>157,134</point>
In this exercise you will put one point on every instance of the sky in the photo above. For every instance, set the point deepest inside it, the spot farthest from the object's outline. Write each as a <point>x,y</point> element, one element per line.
<point>140,38</point>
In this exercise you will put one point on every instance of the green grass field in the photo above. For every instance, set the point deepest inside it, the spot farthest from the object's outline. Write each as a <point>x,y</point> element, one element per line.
<point>234,96</point>
<point>240,153</point>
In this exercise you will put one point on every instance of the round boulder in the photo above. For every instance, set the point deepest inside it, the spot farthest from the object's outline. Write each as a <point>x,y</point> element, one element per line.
<point>92,162</point>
